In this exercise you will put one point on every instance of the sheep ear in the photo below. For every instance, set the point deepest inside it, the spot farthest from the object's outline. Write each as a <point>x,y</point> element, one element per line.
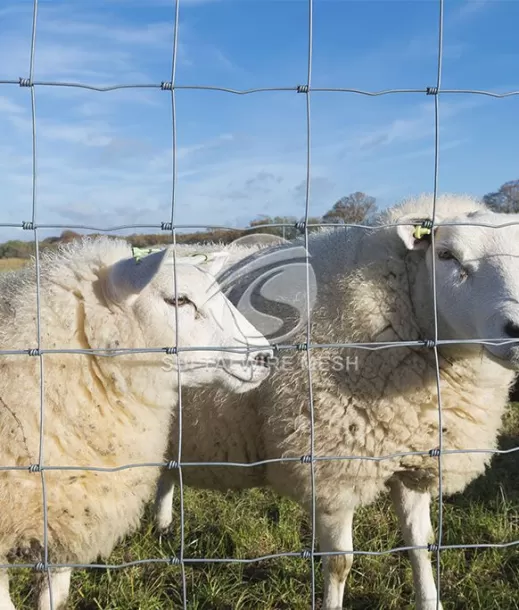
<point>130,276</point>
<point>415,235</point>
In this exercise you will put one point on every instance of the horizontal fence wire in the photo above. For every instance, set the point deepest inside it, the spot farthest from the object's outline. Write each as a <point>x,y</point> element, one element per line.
<point>302,226</point>
<point>168,86</point>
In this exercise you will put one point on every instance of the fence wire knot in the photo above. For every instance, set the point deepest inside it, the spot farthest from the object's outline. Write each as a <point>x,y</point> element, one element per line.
<point>306,459</point>
<point>300,226</point>
<point>174,561</point>
<point>27,225</point>
<point>171,351</point>
<point>34,351</point>
<point>301,347</point>
<point>302,88</point>
<point>432,91</point>
<point>34,468</point>
<point>306,554</point>
<point>435,452</point>
<point>166,85</point>
<point>172,464</point>
<point>166,226</point>
<point>429,342</point>
<point>24,82</point>
<point>40,566</point>
<point>432,547</point>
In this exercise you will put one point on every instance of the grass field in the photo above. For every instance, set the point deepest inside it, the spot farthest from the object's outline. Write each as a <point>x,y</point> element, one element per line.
<point>256,523</point>
<point>11,264</point>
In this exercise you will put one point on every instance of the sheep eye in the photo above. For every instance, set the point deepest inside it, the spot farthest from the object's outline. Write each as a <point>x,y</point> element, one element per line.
<point>445,255</point>
<point>180,301</point>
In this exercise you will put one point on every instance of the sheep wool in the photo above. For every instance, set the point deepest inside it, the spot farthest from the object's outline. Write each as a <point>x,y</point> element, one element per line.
<point>100,411</point>
<point>372,287</point>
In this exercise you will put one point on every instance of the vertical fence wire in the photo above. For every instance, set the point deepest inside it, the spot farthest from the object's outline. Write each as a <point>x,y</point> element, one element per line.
<point>308,306</point>
<point>179,560</point>
<point>38,467</point>
<point>435,301</point>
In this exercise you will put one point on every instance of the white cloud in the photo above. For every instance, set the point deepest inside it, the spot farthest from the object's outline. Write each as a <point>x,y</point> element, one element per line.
<point>102,173</point>
<point>155,35</point>
<point>104,159</point>
<point>471,7</point>
<point>9,107</point>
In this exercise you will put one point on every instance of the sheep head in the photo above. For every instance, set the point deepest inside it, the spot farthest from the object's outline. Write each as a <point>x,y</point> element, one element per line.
<point>143,309</point>
<point>476,265</point>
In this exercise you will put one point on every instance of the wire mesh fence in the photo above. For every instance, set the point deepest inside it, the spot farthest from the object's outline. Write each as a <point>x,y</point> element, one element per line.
<point>169,225</point>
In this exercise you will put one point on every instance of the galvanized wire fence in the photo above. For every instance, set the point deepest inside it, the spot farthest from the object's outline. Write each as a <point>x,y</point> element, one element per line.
<point>170,226</point>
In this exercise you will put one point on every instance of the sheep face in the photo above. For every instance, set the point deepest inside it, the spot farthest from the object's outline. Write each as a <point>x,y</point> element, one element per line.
<point>144,291</point>
<point>477,280</point>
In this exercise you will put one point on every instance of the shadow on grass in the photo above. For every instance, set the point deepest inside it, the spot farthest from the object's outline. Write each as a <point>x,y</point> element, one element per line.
<point>501,480</point>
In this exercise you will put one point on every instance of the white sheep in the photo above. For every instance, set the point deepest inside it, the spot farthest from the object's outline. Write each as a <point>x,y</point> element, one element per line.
<point>375,285</point>
<point>103,410</point>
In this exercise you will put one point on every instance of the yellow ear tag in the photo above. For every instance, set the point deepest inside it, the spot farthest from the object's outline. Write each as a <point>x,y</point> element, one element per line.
<point>139,253</point>
<point>420,231</point>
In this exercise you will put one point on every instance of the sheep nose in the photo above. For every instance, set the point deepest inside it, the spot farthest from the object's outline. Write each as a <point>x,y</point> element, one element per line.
<point>512,329</point>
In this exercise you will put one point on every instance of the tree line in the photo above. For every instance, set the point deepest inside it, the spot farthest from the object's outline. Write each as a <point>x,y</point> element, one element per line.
<point>355,208</point>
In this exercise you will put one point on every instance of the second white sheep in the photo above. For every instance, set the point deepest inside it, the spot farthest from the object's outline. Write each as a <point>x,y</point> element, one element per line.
<point>375,286</point>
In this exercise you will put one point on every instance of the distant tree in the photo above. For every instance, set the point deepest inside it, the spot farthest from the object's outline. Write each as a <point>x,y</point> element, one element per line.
<point>355,208</point>
<point>141,240</point>
<point>506,199</point>
<point>288,232</point>
<point>312,220</point>
<point>16,248</point>
<point>220,236</point>
<point>68,235</point>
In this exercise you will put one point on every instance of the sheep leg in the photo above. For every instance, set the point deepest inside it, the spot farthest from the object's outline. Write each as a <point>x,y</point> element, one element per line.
<point>413,511</point>
<point>60,583</point>
<point>5,599</point>
<point>164,501</point>
<point>335,533</point>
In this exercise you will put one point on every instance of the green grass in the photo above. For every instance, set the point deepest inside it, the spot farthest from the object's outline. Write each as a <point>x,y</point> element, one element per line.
<point>255,523</point>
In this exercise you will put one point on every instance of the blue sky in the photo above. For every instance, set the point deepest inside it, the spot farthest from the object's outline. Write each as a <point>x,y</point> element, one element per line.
<point>104,158</point>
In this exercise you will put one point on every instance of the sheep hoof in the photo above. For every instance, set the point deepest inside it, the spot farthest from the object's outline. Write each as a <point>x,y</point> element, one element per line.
<point>164,532</point>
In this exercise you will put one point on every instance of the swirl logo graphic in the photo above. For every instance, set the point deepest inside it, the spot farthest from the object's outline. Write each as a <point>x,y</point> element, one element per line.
<point>269,287</point>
